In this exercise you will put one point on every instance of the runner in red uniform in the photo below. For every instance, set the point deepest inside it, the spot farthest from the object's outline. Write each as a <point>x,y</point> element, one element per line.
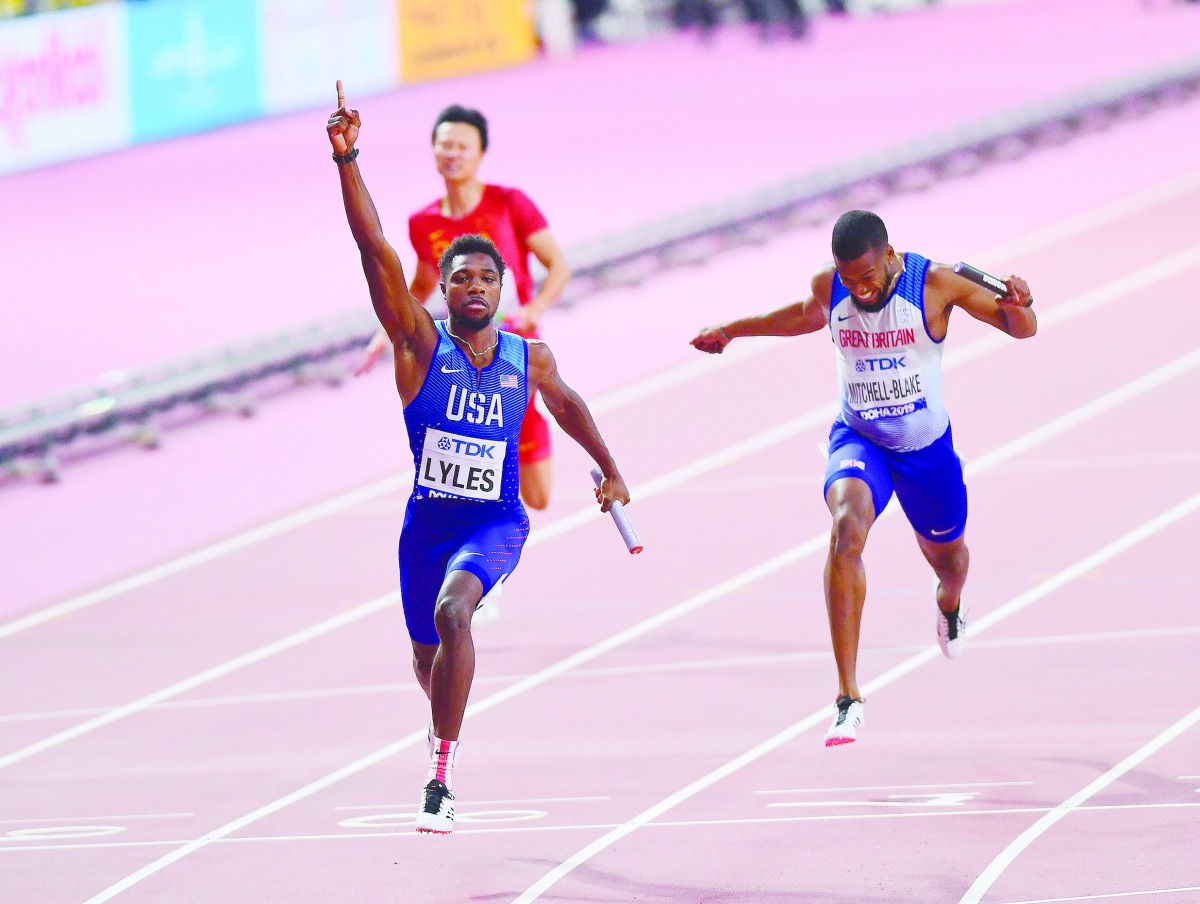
<point>518,229</point>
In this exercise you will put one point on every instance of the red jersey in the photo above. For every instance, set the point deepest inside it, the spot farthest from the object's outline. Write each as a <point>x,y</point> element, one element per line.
<point>504,215</point>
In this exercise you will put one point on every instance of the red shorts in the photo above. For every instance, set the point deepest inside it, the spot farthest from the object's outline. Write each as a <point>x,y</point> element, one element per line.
<point>534,444</point>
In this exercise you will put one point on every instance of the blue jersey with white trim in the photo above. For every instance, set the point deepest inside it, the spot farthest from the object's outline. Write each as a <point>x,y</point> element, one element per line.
<point>889,367</point>
<point>464,424</point>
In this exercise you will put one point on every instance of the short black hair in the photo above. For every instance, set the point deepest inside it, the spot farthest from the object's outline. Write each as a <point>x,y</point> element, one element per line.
<point>459,113</point>
<point>470,244</point>
<point>856,232</point>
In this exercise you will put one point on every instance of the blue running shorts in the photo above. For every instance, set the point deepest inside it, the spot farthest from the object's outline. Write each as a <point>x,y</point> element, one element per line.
<point>928,482</point>
<point>439,537</point>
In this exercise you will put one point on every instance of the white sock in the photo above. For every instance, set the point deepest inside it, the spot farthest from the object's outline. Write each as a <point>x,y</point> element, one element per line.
<point>441,763</point>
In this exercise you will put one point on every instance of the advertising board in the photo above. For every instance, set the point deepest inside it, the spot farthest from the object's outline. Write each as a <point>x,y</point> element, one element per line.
<point>64,89</point>
<point>307,45</point>
<point>444,38</point>
<point>193,65</point>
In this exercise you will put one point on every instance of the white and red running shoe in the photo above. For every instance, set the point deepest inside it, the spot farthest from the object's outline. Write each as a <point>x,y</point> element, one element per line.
<point>850,718</point>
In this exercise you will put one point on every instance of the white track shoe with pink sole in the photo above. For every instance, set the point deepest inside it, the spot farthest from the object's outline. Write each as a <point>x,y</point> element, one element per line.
<point>849,719</point>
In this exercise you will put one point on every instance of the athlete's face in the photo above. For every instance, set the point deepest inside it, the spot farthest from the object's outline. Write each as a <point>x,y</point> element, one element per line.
<point>870,278</point>
<point>472,290</point>
<point>457,150</point>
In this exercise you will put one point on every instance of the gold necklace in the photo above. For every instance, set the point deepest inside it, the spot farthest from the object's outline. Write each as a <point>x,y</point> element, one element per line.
<point>895,281</point>
<point>470,346</point>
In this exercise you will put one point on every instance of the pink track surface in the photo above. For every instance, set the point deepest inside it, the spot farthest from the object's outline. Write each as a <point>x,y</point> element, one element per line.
<point>226,227</point>
<point>655,722</point>
<point>165,249</point>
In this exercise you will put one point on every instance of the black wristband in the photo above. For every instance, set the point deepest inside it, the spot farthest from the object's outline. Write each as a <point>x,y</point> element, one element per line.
<point>1028,302</point>
<point>345,158</point>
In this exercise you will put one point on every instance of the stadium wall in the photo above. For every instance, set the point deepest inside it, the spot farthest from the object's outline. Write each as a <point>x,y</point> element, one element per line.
<point>85,81</point>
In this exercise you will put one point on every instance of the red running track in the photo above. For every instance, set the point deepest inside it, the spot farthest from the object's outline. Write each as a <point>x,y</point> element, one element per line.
<point>649,729</point>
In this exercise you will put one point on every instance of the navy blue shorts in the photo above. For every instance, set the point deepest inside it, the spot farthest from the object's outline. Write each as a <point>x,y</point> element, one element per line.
<point>439,537</point>
<point>928,482</point>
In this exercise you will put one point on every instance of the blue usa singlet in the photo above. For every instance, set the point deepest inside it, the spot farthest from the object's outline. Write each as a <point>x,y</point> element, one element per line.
<point>889,367</point>
<point>464,424</point>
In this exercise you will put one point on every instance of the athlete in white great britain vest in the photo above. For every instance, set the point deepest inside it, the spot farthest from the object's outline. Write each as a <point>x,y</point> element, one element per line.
<point>466,387</point>
<point>887,314</point>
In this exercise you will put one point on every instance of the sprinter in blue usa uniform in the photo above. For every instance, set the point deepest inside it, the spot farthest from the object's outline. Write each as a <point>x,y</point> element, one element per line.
<point>465,386</point>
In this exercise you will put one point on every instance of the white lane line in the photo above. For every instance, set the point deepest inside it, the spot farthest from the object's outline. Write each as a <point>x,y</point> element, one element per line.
<point>618,398</point>
<point>1071,419</point>
<point>650,488</point>
<point>894,787</point>
<point>207,554</point>
<point>242,700</point>
<point>557,528</point>
<point>646,626</point>
<point>1097,637</point>
<point>1089,563</point>
<point>200,679</point>
<point>481,803</point>
<point>689,665</point>
<point>994,869</point>
<point>1145,199</point>
<point>400,482</point>
<point>405,833</point>
<point>517,689</point>
<point>1113,290</point>
<point>74,819</point>
<point>932,814</point>
<point>1112,895</point>
<point>1155,378</point>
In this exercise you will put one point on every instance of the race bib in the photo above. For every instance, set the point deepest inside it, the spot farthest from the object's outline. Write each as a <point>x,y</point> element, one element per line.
<point>892,392</point>
<point>462,465</point>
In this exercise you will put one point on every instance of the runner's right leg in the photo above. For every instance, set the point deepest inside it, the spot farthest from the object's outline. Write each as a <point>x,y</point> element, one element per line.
<point>858,485</point>
<point>853,510</point>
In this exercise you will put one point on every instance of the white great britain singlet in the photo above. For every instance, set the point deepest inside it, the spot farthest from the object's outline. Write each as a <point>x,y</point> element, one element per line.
<point>889,367</point>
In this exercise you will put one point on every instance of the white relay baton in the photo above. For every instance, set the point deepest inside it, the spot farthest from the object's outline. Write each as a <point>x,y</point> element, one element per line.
<point>620,519</point>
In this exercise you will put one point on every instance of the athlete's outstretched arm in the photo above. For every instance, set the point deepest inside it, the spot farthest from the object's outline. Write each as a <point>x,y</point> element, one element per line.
<point>569,410</point>
<point>805,316</point>
<point>1010,314</point>
<point>406,322</point>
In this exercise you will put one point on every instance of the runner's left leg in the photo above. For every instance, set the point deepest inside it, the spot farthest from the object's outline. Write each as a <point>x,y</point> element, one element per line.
<point>950,562</point>
<point>453,666</point>
<point>449,685</point>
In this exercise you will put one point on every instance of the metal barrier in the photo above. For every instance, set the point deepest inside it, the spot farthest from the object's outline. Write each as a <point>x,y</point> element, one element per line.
<point>36,438</point>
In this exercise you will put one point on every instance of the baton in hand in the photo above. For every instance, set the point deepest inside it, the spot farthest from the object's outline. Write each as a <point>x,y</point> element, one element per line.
<point>620,519</point>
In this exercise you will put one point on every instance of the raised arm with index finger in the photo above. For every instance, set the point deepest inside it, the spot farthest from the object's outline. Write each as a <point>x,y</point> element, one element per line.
<point>407,323</point>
